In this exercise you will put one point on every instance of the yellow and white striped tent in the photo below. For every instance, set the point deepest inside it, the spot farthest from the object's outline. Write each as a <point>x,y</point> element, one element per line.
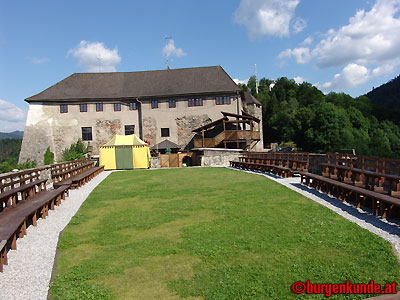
<point>125,152</point>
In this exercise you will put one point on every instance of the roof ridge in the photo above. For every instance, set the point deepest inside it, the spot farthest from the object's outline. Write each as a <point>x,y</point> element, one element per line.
<point>166,70</point>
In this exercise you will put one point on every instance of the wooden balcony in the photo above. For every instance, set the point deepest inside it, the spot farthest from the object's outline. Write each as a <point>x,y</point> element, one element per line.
<point>239,133</point>
<point>227,136</point>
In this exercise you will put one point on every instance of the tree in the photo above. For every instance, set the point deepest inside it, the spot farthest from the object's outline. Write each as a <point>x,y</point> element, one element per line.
<point>75,151</point>
<point>48,157</point>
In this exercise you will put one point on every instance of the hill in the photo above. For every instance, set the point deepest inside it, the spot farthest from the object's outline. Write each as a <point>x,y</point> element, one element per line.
<point>303,116</point>
<point>387,95</point>
<point>11,135</point>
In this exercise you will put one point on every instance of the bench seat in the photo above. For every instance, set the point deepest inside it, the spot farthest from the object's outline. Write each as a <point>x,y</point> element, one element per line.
<point>270,168</point>
<point>9,197</point>
<point>381,203</point>
<point>80,179</point>
<point>13,220</point>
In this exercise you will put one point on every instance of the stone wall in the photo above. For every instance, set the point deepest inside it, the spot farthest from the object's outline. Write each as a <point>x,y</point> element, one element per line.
<point>155,162</point>
<point>210,157</point>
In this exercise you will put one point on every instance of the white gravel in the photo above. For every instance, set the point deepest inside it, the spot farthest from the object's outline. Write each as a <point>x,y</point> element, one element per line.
<point>388,229</point>
<point>28,273</point>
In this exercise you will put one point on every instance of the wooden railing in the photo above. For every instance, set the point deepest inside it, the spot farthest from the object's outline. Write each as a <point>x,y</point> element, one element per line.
<point>227,135</point>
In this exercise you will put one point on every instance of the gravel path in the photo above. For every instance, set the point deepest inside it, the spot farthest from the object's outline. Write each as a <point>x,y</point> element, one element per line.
<point>388,229</point>
<point>28,273</point>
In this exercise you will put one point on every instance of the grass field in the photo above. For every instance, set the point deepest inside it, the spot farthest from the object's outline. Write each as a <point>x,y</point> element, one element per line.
<point>210,233</point>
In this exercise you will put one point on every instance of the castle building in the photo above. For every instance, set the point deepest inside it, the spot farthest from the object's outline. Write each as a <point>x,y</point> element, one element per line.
<point>155,105</point>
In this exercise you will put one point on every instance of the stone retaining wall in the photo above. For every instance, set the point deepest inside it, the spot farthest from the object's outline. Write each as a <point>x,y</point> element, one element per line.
<point>209,157</point>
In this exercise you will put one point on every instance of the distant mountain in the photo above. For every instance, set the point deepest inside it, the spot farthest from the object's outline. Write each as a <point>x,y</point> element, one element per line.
<point>12,135</point>
<point>387,95</point>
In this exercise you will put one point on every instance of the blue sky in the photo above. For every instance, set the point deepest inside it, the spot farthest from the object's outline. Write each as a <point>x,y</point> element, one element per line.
<point>342,46</point>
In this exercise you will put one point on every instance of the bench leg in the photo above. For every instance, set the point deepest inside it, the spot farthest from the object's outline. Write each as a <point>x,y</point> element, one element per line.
<point>43,212</point>
<point>385,209</point>
<point>14,241</point>
<point>34,219</point>
<point>375,206</point>
<point>58,199</point>
<point>22,230</point>
<point>358,202</point>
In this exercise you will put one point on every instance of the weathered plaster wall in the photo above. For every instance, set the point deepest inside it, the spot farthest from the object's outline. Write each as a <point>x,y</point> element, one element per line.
<point>182,119</point>
<point>46,126</point>
<point>218,157</point>
<point>37,135</point>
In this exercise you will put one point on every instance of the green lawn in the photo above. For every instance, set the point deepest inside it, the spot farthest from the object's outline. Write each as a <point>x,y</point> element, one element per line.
<point>210,233</point>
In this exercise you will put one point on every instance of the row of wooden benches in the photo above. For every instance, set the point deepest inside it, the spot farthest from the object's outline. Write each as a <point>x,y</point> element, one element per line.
<point>380,203</point>
<point>374,164</point>
<point>291,160</point>
<point>24,198</point>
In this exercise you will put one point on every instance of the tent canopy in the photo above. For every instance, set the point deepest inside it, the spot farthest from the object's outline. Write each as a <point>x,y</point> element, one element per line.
<point>125,140</point>
<point>125,152</point>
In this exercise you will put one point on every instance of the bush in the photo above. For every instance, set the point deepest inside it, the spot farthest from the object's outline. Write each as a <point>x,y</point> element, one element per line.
<point>48,157</point>
<point>11,164</point>
<point>75,151</point>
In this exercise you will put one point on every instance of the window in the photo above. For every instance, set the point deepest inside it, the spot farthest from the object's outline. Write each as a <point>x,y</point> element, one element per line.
<point>129,129</point>
<point>99,106</point>
<point>63,108</point>
<point>223,100</point>
<point>83,107</point>
<point>164,132</point>
<point>87,133</point>
<point>117,106</point>
<point>133,106</point>
<point>172,104</point>
<point>154,104</point>
<point>195,102</point>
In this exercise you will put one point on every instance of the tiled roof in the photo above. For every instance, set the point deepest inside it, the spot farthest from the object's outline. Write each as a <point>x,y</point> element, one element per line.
<point>145,84</point>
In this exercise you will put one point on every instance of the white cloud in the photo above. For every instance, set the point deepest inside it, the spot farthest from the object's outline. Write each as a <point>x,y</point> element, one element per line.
<point>39,60</point>
<point>370,37</point>
<point>301,54</point>
<point>298,80</point>
<point>268,17</point>
<point>11,117</point>
<point>237,81</point>
<point>95,57</point>
<point>351,76</point>
<point>299,25</point>
<point>307,41</point>
<point>365,48</point>
<point>170,50</point>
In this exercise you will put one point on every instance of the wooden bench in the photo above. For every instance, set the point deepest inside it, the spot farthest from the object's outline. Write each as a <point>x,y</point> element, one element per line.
<point>24,198</point>
<point>14,220</point>
<point>274,169</point>
<point>381,204</point>
<point>85,176</point>
<point>75,175</point>
<point>19,185</point>
<point>63,172</point>
<point>284,164</point>
<point>364,178</point>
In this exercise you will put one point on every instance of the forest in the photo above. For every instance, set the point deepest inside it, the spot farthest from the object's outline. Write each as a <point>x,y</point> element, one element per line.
<point>300,114</point>
<point>9,153</point>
